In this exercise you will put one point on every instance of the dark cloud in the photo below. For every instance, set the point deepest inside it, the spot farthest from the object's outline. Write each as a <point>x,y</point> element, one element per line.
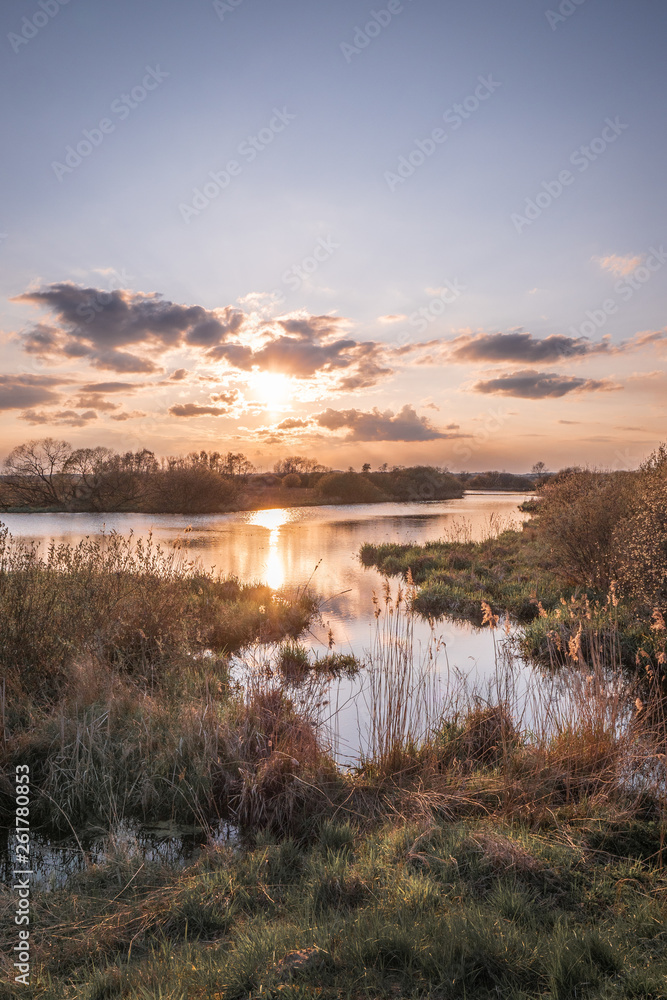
<point>107,387</point>
<point>20,391</point>
<point>406,425</point>
<point>197,410</point>
<point>313,327</point>
<point>521,347</point>
<point>128,332</point>
<point>97,324</point>
<point>529,384</point>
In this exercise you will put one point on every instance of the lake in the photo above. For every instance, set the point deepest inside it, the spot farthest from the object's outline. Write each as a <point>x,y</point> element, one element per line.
<point>293,546</point>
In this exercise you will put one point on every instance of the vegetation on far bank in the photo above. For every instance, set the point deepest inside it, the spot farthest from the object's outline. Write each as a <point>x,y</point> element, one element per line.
<point>50,476</point>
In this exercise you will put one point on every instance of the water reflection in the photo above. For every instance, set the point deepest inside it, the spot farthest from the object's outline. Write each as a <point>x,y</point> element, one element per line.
<point>273,520</point>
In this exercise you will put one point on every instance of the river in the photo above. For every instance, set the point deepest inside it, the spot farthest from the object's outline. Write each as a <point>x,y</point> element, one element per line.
<point>292,546</point>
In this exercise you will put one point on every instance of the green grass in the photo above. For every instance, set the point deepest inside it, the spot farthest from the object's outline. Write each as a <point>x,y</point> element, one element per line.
<point>406,909</point>
<point>510,572</point>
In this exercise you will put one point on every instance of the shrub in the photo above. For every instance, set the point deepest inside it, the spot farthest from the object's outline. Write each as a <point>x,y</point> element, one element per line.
<point>349,487</point>
<point>578,518</point>
<point>292,481</point>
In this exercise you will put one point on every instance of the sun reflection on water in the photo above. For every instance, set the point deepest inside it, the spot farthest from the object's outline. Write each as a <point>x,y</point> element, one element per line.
<point>272,520</point>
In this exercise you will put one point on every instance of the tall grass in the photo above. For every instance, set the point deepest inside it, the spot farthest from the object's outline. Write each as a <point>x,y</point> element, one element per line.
<point>127,602</point>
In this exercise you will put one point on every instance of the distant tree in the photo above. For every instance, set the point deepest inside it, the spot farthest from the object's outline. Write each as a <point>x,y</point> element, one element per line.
<point>37,472</point>
<point>297,463</point>
<point>540,471</point>
<point>292,480</point>
<point>366,468</point>
<point>384,467</point>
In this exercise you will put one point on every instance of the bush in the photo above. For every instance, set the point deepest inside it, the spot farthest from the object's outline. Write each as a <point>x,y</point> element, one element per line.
<point>349,487</point>
<point>292,481</point>
<point>641,539</point>
<point>578,518</point>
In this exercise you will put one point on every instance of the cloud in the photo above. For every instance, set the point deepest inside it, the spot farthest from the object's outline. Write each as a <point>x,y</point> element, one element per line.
<point>292,423</point>
<point>619,266</point>
<point>393,318</point>
<point>93,401</point>
<point>20,391</point>
<point>521,347</point>
<point>226,397</point>
<point>130,332</point>
<point>405,425</point>
<point>541,385</point>
<point>198,410</point>
<point>107,387</point>
<point>64,418</point>
<point>96,324</point>
<point>128,416</point>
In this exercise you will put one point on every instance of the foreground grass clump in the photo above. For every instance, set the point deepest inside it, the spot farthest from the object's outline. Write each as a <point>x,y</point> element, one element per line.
<point>405,909</point>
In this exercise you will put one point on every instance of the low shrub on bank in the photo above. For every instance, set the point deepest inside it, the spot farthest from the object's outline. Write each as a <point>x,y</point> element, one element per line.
<point>127,602</point>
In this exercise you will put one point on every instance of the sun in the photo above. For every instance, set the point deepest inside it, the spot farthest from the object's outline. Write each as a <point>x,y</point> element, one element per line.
<point>271,388</point>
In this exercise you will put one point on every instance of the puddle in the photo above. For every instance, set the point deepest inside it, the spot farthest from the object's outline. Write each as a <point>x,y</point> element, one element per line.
<point>55,860</point>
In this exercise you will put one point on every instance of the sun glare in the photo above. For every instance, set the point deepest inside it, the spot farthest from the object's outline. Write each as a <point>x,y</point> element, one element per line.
<point>271,388</point>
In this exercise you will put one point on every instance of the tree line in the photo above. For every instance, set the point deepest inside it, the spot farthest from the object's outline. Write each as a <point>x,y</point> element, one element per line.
<point>50,474</point>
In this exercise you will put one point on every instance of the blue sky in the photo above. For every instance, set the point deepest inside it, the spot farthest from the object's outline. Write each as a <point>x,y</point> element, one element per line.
<point>316,106</point>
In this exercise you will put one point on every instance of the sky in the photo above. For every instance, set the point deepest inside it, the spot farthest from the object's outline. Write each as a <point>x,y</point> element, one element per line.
<point>415,232</point>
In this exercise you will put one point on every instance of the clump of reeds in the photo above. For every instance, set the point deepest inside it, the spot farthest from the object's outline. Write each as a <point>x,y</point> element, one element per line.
<point>129,603</point>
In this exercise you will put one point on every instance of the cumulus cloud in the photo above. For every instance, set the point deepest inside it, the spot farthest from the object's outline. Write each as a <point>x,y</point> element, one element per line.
<point>529,384</point>
<point>406,425</point>
<point>20,391</point>
<point>63,418</point>
<point>129,332</point>
<point>96,325</point>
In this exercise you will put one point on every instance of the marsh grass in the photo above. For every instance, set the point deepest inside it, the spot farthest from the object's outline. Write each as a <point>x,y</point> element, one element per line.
<point>500,836</point>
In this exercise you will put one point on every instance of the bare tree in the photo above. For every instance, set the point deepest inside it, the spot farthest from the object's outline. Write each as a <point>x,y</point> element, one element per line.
<point>37,472</point>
